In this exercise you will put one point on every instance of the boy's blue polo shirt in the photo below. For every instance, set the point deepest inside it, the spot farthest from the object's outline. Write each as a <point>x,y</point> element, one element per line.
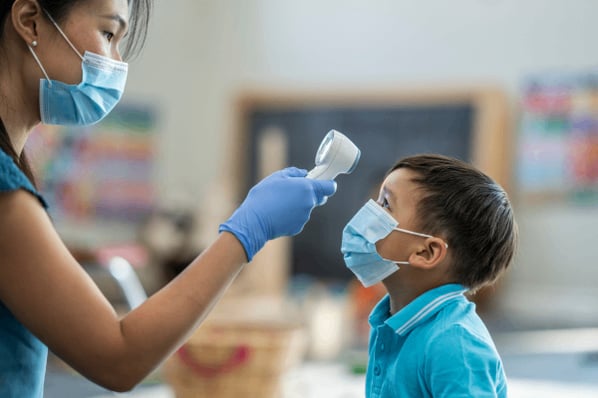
<point>436,346</point>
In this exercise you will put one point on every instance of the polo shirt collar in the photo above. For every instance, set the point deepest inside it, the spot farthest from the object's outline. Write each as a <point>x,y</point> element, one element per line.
<point>417,311</point>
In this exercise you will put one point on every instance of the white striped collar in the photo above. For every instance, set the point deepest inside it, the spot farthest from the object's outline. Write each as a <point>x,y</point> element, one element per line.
<point>418,310</point>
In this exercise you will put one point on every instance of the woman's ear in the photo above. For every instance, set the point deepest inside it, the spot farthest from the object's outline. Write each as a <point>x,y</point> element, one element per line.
<point>25,17</point>
<point>428,255</point>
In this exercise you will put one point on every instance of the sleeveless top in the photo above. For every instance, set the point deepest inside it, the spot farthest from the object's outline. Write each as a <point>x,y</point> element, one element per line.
<point>22,356</point>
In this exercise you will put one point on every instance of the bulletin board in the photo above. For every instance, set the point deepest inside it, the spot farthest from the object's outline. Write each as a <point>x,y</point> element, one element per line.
<point>278,128</point>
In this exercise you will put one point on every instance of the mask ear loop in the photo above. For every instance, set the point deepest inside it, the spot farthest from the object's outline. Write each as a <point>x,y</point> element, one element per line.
<point>34,44</point>
<point>62,34</point>
<point>39,63</point>
<point>406,231</point>
<point>399,262</point>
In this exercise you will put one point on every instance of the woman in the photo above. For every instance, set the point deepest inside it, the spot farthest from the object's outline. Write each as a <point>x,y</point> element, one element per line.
<point>60,64</point>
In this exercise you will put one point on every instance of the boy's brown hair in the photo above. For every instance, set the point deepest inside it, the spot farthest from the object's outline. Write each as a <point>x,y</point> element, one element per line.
<point>468,209</point>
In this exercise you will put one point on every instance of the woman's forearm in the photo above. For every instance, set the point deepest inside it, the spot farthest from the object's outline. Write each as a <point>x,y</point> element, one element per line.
<point>156,328</point>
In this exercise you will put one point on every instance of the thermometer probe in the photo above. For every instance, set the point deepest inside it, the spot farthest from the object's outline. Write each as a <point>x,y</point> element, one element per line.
<point>336,155</point>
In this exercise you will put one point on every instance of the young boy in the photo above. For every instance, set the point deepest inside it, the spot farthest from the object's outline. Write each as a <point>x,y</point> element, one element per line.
<point>440,228</point>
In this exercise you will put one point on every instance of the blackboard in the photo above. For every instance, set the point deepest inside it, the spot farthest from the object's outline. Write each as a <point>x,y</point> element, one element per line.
<point>385,129</point>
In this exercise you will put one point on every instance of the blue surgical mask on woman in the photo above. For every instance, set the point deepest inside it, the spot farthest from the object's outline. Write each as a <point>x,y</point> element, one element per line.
<point>102,86</point>
<point>369,225</point>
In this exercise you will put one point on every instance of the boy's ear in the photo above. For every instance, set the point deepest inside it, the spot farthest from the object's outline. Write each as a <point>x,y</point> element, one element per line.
<point>25,17</point>
<point>430,254</point>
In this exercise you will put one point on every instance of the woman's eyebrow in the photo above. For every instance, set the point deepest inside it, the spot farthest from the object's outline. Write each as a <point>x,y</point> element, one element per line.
<point>116,17</point>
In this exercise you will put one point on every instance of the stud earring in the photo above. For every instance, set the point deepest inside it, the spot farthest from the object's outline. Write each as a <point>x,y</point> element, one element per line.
<point>34,43</point>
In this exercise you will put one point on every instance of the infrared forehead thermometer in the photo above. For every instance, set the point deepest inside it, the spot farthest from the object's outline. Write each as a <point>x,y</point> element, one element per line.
<point>336,155</point>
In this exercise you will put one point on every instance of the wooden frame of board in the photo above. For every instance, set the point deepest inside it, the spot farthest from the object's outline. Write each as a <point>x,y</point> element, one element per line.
<point>492,144</point>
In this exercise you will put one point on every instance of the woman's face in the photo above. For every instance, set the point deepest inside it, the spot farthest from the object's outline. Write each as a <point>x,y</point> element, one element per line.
<point>96,26</point>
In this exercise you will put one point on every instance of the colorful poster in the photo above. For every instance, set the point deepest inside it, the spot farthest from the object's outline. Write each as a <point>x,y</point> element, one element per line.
<point>558,151</point>
<point>104,171</point>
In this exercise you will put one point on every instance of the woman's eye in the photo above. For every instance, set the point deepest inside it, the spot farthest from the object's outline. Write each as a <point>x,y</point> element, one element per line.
<point>108,35</point>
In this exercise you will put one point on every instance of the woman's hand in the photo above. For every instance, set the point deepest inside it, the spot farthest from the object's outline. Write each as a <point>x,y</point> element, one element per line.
<point>279,205</point>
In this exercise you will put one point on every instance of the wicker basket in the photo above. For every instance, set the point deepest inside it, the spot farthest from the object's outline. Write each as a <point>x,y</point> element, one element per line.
<point>227,359</point>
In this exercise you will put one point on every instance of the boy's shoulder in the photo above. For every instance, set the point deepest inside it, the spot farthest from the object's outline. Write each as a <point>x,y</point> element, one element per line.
<point>459,349</point>
<point>458,320</point>
<point>457,334</point>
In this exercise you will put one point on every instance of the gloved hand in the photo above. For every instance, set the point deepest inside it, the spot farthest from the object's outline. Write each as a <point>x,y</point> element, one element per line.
<point>279,205</point>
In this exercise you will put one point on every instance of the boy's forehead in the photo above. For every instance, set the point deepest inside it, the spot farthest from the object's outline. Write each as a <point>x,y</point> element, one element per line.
<point>399,179</point>
<point>399,184</point>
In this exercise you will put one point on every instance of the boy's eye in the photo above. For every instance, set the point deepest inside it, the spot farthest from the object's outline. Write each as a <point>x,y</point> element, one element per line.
<point>384,203</point>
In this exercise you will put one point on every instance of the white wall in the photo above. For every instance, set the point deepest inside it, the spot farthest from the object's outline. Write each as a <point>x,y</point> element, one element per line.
<point>201,53</point>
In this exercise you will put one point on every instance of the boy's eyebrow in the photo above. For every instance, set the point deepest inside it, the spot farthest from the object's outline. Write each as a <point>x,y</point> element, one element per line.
<point>390,195</point>
<point>387,191</point>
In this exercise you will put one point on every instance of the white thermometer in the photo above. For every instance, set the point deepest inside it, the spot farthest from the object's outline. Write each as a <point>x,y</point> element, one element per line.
<point>336,155</point>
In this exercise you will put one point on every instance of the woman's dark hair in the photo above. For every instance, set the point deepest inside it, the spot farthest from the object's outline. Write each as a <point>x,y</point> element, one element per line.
<point>139,13</point>
<point>468,209</point>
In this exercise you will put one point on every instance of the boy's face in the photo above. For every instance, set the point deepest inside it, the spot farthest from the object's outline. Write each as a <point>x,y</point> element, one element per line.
<point>399,196</point>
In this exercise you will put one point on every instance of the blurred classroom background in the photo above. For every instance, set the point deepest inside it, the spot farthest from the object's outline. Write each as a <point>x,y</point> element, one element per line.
<point>226,91</point>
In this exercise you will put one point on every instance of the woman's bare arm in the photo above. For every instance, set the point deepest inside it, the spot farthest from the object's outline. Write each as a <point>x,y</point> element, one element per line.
<point>49,292</point>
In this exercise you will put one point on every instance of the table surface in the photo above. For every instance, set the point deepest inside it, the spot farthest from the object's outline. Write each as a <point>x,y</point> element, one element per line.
<point>551,363</point>
<point>333,380</point>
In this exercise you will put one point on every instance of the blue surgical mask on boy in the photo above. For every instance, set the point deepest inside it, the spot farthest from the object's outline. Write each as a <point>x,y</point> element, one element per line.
<point>102,86</point>
<point>370,224</point>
